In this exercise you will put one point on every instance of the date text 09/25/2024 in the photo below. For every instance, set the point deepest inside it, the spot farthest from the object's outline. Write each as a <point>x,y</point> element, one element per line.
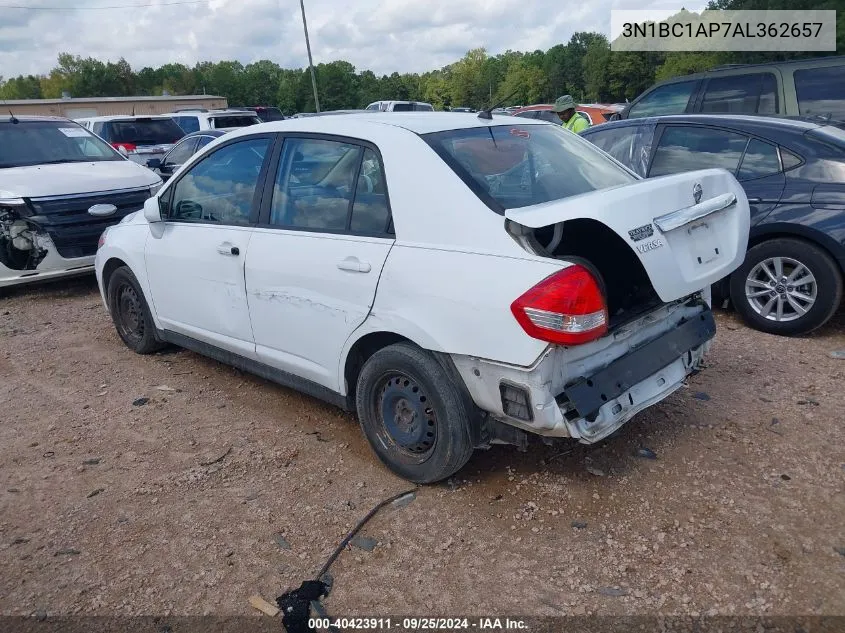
<point>418,624</point>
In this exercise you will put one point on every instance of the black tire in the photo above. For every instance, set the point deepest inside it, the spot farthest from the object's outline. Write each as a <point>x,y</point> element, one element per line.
<point>826,291</point>
<point>130,313</point>
<point>427,437</point>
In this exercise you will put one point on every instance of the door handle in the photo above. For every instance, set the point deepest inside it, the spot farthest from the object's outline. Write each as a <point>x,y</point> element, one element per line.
<point>353,264</point>
<point>754,200</point>
<point>226,248</point>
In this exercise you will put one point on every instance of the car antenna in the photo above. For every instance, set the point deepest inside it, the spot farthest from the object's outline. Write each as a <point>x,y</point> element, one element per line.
<point>487,113</point>
<point>13,118</point>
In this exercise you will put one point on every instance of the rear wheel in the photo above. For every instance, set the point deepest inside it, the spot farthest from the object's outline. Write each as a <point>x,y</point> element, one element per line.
<point>130,312</point>
<point>413,414</point>
<point>786,286</point>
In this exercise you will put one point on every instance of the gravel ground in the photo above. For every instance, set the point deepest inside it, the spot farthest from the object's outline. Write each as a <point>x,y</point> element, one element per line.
<point>215,485</point>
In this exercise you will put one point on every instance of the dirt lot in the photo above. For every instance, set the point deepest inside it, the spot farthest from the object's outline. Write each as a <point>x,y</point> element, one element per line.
<point>106,507</point>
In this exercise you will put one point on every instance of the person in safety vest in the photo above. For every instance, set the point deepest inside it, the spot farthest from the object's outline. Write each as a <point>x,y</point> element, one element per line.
<point>570,119</point>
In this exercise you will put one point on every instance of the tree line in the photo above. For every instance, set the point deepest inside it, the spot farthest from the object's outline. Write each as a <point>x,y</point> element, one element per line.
<point>584,67</point>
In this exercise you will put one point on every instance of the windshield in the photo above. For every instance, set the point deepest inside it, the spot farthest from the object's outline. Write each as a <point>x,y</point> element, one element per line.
<point>42,142</point>
<point>235,120</point>
<point>512,166</point>
<point>143,131</point>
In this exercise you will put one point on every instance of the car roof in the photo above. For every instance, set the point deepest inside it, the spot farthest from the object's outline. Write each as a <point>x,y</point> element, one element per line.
<point>748,122</point>
<point>355,124</point>
<point>123,117</point>
<point>834,60</point>
<point>30,117</point>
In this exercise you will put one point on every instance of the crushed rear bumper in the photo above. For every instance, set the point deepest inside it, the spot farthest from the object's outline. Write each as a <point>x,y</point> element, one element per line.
<point>589,391</point>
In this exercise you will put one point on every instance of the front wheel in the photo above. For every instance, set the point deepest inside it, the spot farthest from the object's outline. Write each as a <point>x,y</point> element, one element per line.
<point>130,312</point>
<point>413,414</point>
<point>786,286</point>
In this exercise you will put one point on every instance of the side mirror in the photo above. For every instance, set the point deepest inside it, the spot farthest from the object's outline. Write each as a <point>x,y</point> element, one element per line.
<point>152,211</point>
<point>154,163</point>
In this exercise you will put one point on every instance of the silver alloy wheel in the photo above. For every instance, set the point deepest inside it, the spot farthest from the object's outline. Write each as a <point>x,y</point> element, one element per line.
<point>781,289</point>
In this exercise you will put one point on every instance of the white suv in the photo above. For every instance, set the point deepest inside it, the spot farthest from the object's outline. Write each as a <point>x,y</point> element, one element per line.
<point>60,186</point>
<point>196,120</point>
<point>456,281</point>
<point>400,106</point>
<point>139,138</point>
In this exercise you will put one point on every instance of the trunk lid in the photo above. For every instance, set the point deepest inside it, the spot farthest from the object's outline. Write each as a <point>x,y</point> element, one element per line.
<point>688,230</point>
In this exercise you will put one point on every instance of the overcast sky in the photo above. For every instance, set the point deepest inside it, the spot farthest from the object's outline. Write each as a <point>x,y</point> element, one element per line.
<point>380,35</point>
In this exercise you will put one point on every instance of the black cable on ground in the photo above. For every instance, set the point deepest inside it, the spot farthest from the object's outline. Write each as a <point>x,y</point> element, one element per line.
<point>296,605</point>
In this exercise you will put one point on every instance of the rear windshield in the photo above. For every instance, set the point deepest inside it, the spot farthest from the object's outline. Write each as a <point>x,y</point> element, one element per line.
<point>512,166</point>
<point>44,142</point>
<point>143,131</point>
<point>270,114</point>
<point>235,120</point>
<point>829,134</point>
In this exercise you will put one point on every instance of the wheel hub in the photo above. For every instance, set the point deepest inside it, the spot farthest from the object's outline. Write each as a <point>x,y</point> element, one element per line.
<point>408,417</point>
<point>129,309</point>
<point>781,289</point>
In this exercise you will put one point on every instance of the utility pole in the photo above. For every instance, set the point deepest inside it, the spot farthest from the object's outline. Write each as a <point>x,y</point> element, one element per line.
<point>310,61</point>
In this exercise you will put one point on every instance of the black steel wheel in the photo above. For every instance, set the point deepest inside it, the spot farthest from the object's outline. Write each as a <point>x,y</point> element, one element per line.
<point>413,414</point>
<point>130,313</point>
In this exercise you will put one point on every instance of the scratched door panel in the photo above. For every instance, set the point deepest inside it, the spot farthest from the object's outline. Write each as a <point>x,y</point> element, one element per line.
<point>307,292</point>
<point>197,282</point>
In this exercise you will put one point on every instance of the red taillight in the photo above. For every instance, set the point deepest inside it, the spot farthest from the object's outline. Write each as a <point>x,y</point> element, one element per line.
<point>566,308</point>
<point>101,242</point>
<point>129,147</point>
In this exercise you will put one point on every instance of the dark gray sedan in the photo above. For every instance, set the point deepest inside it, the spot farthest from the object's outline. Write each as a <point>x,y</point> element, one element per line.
<point>793,172</point>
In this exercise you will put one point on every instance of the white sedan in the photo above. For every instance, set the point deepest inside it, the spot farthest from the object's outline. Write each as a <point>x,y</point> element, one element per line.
<point>456,280</point>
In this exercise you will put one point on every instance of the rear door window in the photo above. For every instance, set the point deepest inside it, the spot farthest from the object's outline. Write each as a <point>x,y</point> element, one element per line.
<point>669,99</point>
<point>315,184</point>
<point>754,93</point>
<point>821,91</point>
<point>144,131</point>
<point>761,159</point>
<point>686,148</point>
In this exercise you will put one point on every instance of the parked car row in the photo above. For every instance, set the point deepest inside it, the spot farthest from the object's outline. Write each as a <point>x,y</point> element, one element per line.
<point>319,252</point>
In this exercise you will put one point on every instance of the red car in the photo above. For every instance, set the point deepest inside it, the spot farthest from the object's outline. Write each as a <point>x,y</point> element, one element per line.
<point>596,113</point>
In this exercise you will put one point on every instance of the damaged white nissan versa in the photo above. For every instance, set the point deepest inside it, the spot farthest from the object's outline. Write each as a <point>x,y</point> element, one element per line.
<point>60,186</point>
<point>457,281</point>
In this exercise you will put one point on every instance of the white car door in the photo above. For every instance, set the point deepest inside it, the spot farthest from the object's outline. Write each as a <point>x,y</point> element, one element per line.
<point>195,258</point>
<point>314,260</point>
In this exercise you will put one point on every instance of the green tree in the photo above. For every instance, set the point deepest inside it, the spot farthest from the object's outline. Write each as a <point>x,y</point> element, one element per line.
<point>21,87</point>
<point>596,63</point>
<point>684,63</point>
<point>337,86</point>
<point>524,83</point>
<point>261,81</point>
